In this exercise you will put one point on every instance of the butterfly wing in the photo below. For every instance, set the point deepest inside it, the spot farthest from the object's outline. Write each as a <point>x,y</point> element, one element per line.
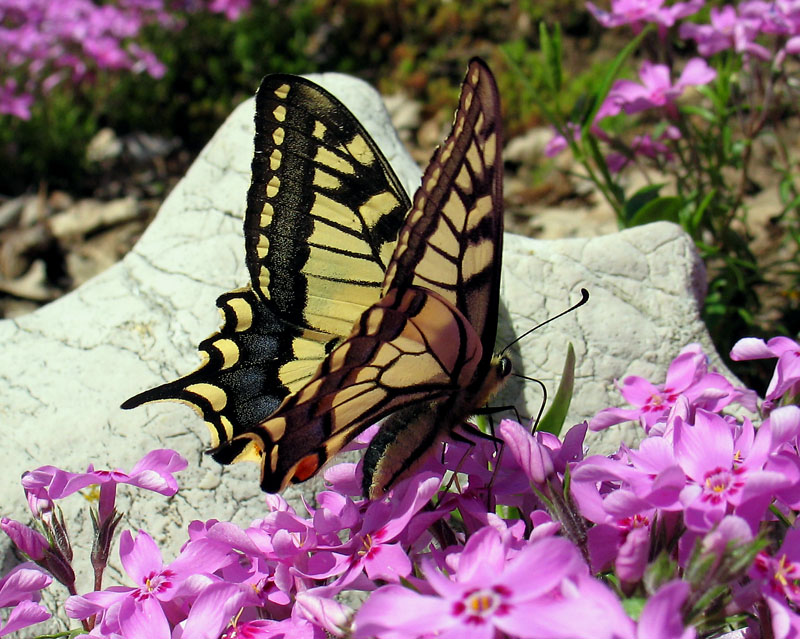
<point>449,254</point>
<point>324,209</point>
<point>410,347</point>
<point>323,213</point>
<point>452,241</point>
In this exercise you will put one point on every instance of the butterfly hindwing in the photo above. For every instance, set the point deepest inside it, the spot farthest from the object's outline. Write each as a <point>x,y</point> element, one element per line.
<point>411,347</point>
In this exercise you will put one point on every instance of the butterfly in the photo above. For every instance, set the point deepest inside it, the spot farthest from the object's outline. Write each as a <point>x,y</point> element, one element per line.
<point>363,306</point>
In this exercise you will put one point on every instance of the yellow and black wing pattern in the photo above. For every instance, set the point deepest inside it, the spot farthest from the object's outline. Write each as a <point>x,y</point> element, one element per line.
<point>420,357</point>
<point>323,213</point>
<point>362,306</point>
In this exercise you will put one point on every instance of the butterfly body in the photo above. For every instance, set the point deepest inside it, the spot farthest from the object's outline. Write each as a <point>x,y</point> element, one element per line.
<point>363,306</point>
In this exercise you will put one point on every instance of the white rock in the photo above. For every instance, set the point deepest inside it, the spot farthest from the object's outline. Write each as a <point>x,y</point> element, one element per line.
<point>103,146</point>
<point>66,368</point>
<point>404,112</point>
<point>528,148</point>
<point>90,215</point>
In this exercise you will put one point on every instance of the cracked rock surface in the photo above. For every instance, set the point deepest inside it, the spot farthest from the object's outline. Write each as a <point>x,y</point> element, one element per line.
<point>67,367</point>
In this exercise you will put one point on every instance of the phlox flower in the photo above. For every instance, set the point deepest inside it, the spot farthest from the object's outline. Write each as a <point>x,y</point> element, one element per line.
<point>153,472</point>
<point>318,608</point>
<point>47,42</point>
<point>638,12</point>
<point>141,611</point>
<point>645,146</point>
<point>727,30</point>
<point>558,142</point>
<point>779,578</point>
<point>269,558</point>
<point>271,629</point>
<point>232,9</point>
<point>15,102</point>
<point>20,588</point>
<point>541,591</point>
<point>30,541</point>
<point>662,617</point>
<point>723,478</point>
<point>786,378</point>
<point>656,90</point>
<point>687,375</point>
<point>211,613</point>
<point>376,548</point>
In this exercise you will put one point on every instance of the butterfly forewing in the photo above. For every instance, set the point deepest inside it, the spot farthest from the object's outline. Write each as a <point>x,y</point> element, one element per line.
<point>323,211</point>
<point>452,240</point>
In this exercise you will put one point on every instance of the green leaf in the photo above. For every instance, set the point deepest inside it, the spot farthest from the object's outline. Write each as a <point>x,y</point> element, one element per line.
<point>634,606</point>
<point>610,76</point>
<point>693,223</point>
<point>551,49</point>
<point>659,571</point>
<point>643,196</point>
<point>702,112</point>
<point>661,209</point>
<point>553,420</point>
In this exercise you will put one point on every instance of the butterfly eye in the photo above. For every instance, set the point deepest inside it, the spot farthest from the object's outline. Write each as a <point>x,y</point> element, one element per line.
<point>504,367</point>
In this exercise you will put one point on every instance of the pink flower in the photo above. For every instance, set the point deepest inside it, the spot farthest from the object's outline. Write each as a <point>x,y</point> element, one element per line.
<point>723,478</point>
<point>644,145</point>
<point>688,376</point>
<point>779,578</point>
<point>558,142</point>
<point>46,42</point>
<point>662,617</point>
<point>541,592</point>
<point>376,548</point>
<point>269,629</point>
<point>323,611</point>
<point>638,12</point>
<point>12,102</point>
<point>30,541</point>
<point>20,588</point>
<point>139,611</point>
<point>153,472</point>
<point>232,9</point>
<point>727,30</point>
<point>656,89</point>
<point>787,372</point>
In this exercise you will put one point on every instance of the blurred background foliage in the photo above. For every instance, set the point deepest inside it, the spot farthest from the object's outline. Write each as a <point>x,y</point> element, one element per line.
<point>213,64</point>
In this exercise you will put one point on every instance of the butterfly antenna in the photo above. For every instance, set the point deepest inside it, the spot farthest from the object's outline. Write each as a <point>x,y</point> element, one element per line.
<point>583,300</point>
<point>535,422</point>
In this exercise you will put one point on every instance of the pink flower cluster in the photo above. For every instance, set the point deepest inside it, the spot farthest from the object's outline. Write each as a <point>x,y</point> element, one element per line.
<point>45,43</point>
<point>738,28</point>
<point>486,541</point>
<point>654,91</point>
<point>755,29</point>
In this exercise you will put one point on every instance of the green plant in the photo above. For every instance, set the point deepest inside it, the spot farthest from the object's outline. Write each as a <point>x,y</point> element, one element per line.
<point>696,139</point>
